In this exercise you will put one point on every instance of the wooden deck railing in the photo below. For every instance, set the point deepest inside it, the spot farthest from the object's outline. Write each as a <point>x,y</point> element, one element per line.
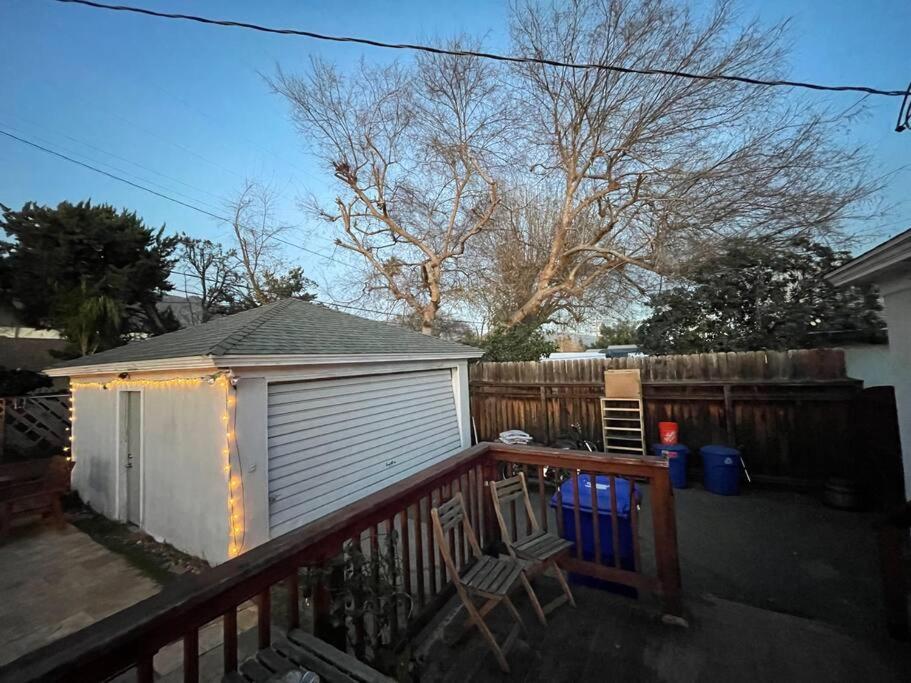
<point>398,518</point>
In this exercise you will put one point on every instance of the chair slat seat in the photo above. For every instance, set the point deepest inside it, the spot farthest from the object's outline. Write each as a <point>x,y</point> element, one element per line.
<point>489,578</point>
<point>541,546</point>
<point>492,575</point>
<point>540,549</point>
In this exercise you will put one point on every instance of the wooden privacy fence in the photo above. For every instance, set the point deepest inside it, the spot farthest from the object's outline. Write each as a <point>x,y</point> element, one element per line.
<point>29,423</point>
<point>788,411</point>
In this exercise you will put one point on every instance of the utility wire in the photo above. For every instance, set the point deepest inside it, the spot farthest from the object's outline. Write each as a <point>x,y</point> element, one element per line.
<point>154,192</point>
<point>200,210</point>
<point>515,59</point>
<point>388,314</point>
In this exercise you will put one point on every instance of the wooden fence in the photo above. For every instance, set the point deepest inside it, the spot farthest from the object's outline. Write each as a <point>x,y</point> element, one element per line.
<point>32,423</point>
<point>789,412</point>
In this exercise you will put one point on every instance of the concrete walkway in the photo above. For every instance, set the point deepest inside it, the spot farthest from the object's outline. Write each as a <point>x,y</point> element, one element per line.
<point>53,583</point>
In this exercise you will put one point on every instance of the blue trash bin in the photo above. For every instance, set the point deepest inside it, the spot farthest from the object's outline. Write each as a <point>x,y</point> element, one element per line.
<point>721,469</point>
<point>605,528</point>
<point>676,454</point>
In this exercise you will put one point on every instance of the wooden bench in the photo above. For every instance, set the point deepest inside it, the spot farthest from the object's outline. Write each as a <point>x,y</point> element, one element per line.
<point>33,488</point>
<point>303,652</point>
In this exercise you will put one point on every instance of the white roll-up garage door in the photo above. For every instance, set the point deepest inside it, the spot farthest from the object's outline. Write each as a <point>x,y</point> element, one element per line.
<point>334,441</point>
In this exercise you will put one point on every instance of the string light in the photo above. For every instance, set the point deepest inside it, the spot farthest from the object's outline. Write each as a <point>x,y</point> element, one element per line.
<point>233,481</point>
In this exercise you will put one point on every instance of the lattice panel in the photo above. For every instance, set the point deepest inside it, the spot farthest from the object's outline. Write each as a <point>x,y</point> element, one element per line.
<point>31,421</point>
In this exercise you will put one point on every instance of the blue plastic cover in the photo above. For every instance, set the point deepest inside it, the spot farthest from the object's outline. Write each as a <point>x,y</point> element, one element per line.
<point>602,483</point>
<point>719,451</point>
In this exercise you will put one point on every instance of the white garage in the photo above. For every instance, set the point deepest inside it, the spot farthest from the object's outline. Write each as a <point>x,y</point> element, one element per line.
<point>219,437</point>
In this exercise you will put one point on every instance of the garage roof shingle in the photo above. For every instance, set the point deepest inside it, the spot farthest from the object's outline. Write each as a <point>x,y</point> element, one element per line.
<point>286,327</point>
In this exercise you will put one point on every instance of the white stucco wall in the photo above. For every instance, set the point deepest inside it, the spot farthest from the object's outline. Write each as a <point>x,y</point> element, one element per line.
<point>896,293</point>
<point>875,364</point>
<point>183,484</point>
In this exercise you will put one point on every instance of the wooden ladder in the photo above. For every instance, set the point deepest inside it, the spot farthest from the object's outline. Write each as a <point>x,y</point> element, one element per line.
<point>622,420</point>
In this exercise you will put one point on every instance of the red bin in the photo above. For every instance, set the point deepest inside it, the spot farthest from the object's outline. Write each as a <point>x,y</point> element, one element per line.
<point>668,432</point>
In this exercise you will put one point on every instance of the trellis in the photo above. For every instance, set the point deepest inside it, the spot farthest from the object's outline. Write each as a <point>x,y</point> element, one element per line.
<point>34,422</point>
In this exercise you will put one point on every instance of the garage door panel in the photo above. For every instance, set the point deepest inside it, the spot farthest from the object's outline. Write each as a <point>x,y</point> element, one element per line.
<point>332,442</point>
<point>312,469</point>
<point>317,391</point>
<point>356,484</point>
<point>316,435</point>
<point>313,437</point>
<point>349,488</point>
<point>344,450</point>
<point>311,409</point>
<point>316,419</point>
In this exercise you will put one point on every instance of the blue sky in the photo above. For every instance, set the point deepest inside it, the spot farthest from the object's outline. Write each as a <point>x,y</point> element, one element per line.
<point>184,109</point>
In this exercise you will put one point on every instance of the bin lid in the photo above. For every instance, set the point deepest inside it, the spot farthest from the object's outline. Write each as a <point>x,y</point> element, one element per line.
<point>676,447</point>
<point>602,484</point>
<point>720,451</point>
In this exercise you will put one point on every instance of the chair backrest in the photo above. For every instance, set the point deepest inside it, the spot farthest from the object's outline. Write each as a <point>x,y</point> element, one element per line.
<point>446,517</point>
<point>506,491</point>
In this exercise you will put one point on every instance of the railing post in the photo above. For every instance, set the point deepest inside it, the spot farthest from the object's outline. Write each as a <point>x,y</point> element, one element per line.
<point>191,656</point>
<point>229,638</point>
<point>488,473</point>
<point>324,627</point>
<point>665,529</point>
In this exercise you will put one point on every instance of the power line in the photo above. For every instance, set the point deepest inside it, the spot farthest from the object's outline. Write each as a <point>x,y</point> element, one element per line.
<point>332,303</point>
<point>129,174</point>
<point>515,59</point>
<point>154,192</point>
<point>198,209</point>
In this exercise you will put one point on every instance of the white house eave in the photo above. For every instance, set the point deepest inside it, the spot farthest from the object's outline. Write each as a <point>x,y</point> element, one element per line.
<point>162,364</point>
<point>237,361</point>
<point>889,255</point>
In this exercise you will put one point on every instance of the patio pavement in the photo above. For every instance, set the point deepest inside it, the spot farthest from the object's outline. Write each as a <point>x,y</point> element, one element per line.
<point>54,582</point>
<point>608,637</point>
<point>777,587</point>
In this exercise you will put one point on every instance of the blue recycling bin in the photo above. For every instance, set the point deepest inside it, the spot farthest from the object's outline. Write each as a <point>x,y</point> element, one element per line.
<point>676,454</point>
<point>721,469</point>
<point>625,491</point>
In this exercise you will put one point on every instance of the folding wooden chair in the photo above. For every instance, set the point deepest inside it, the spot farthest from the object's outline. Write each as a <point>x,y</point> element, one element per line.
<point>490,578</point>
<point>540,549</point>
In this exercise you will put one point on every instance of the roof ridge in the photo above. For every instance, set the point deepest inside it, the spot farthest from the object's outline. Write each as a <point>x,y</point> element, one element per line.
<point>222,347</point>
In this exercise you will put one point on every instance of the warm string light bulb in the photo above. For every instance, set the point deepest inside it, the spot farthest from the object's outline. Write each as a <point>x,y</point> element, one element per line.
<point>234,482</point>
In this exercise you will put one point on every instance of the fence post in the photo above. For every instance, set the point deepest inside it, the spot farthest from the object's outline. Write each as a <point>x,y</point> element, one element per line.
<point>547,437</point>
<point>729,416</point>
<point>664,521</point>
<point>2,427</point>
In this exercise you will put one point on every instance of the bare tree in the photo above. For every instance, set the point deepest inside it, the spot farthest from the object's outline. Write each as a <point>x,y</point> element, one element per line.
<point>643,170</point>
<point>214,277</point>
<point>255,225</point>
<point>414,151</point>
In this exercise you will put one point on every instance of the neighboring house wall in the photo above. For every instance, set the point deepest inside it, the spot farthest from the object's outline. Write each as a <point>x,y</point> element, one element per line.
<point>875,364</point>
<point>184,488</point>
